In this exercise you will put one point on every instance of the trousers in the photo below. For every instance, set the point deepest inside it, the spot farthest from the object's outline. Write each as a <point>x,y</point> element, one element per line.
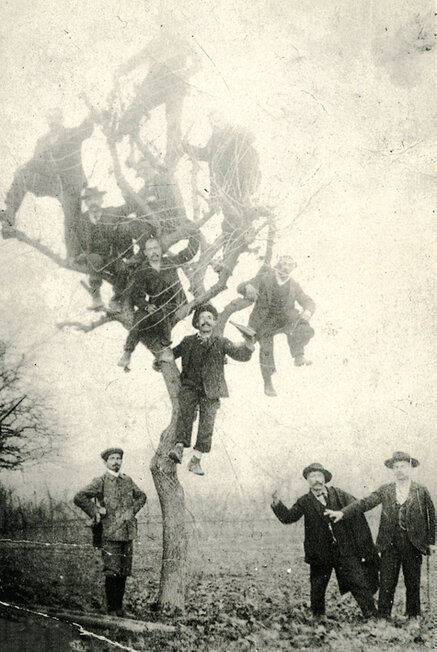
<point>349,572</point>
<point>298,337</point>
<point>192,399</point>
<point>117,558</point>
<point>401,553</point>
<point>154,329</point>
<point>97,264</point>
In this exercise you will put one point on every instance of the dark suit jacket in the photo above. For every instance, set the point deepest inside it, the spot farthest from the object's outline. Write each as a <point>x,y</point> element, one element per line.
<point>352,539</point>
<point>213,373</point>
<point>420,515</point>
<point>122,499</point>
<point>262,319</point>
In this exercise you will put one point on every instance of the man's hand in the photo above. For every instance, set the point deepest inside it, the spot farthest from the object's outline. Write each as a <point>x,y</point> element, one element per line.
<point>151,308</point>
<point>432,549</point>
<point>275,498</point>
<point>333,515</point>
<point>250,292</point>
<point>306,315</point>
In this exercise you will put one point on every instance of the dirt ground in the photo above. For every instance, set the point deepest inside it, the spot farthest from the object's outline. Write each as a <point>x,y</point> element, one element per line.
<point>248,588</point>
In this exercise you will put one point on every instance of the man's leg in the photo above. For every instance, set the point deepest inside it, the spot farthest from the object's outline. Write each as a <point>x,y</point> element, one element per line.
<point>207,412</point>
<point>389,574</point>
<point>95,264</point>
<point>267,363</point>
<point>188,402</point>
<point>112,568</point>
<point>133,337</point>
<point>350,571</point>
<point>411,567</point>
<point>319,578</point>
<point>71,206</point>
<point>125,571</point>
<point>298,338</point>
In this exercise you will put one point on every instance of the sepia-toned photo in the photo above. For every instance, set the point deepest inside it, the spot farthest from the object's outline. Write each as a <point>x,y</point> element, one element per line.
<point>218,332</point>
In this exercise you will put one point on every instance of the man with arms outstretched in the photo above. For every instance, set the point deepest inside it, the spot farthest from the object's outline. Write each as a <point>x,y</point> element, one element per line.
<point>348,550</point>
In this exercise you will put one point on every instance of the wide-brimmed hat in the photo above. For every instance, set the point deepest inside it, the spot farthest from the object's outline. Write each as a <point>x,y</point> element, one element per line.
<point>205,307</point>
<point>92,191</point>
<point>315,466</point>
<point>111,451</point>
<point>399,456</point>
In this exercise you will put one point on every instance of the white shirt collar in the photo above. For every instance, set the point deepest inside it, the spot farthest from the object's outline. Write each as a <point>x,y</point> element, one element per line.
<point>402,492</point>
<point>113,473</point>
<point>279,280</point>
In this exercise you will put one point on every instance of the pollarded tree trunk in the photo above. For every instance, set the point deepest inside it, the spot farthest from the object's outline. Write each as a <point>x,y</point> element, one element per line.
<point>172,499</point>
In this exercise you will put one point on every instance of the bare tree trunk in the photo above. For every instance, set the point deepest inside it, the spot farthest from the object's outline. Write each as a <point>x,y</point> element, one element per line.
<point>172,499</point>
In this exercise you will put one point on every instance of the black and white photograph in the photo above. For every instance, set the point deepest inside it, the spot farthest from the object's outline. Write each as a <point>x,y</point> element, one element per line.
<point>218,332</point>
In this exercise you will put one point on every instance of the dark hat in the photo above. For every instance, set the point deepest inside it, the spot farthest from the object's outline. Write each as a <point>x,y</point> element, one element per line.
<point>205,307</point>
<point>315,466</point>
<point>111,451</point>
<point>399,456</point>
<point>92,191</point>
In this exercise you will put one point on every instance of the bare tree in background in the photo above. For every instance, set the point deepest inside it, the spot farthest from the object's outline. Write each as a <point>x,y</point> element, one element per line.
<point>26,421</point>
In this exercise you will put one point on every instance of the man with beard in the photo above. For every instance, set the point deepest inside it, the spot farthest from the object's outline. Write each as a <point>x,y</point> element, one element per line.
<point>349,551</point>
<point>55,170</point>
<point>406,531</point>
<point>203,383</point>
<point>275,294</point>
<point>113,500</point>
<point>157,293</point>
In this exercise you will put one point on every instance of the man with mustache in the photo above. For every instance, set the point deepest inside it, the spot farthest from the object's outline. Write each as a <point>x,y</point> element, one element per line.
<point>349,550</point>
<point>406,532</point>
<point>203,383</point>
<point>157,292</point>
<point>276,293</point>
<point>113,500</point>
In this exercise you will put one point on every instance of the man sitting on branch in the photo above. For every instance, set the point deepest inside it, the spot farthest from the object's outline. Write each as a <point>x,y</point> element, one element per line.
<point>157,293</point>
<point>275,294</point>
<point>203,383</point>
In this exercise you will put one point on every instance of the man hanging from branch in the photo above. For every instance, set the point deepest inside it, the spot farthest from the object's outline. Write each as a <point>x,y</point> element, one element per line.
<point>157,293</point>
<point>275,294</point>
<point>112,500</point>
<point>203,383</point>
<point>172,62</point>
<point>55,170</point>
<point>234,177</point>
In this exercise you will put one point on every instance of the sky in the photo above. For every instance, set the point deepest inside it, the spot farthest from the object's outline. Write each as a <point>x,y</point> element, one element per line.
<point>341,97</point>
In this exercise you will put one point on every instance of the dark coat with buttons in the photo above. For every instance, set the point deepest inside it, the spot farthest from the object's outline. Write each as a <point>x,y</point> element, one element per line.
<point>419,515</point>
<point>122,499</point>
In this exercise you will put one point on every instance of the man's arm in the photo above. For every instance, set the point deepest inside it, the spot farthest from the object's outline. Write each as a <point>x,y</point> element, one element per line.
<point>363,505</point>
<point>430,517</point>
<point>186,254</point>
<point>177,351</point>
<point>83,498</point>
<point>284,514</point>
<point>241,352</point>
<point>139,497</point>
<point>304,301</point>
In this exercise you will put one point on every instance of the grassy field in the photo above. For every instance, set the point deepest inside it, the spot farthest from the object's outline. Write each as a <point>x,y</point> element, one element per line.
<point>248,588</point>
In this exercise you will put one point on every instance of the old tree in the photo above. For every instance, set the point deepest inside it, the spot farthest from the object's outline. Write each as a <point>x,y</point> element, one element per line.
<point>257,227</point>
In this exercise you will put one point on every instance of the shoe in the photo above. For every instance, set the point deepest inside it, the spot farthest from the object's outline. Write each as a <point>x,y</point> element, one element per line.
<point>114,306</point>
<point>301,361</point>
<point>124,360</point>
<point>177,453</point>
<point>269,390</point>
<point>120,613</point>
<point>8,231</point>
<point>194,466</point>
<point>112,612</point>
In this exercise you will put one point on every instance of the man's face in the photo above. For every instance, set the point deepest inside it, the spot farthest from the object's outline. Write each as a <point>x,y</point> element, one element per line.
<point>114,461</point>
<point>94,204</point>
<point>402,470</point>
<point>316,480</point>
<point>206,322</point>
<point>285,266</point>
<point>153,251</point>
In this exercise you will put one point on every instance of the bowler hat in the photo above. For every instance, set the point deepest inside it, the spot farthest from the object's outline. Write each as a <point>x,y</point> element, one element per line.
<point>205,307</point>
<point>93,191</point>
<point>315,466</point>
<point>399,456</point>
<point>111,451</point>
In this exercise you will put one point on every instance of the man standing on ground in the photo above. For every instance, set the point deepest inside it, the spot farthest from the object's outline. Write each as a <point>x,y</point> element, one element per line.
<point>275,294</point>
<point>113,499</point>
<point>406,531</point>
<point>348,550</point>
